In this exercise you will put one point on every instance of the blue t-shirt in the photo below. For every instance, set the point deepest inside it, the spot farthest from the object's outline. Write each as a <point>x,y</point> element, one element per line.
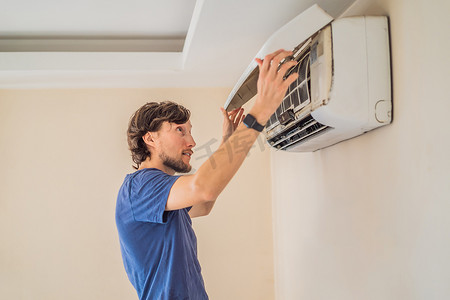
<point>159,248</point>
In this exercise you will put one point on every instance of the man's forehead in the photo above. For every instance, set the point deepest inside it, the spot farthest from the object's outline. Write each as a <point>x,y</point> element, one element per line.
<point>170,125</point>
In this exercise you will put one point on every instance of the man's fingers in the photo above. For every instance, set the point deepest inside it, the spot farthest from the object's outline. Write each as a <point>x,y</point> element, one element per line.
<point>234,111</point>
<point>265,64</point>
<point>276,62</point>
<point>228,113</point>
<point>242,118</point>
<point>288,81</point>
<point>281,55</point>
<point>259,62</point>
<point>238,116</point>
<point>271,62</point>
<point>224,112</point>
<point>284,68</point>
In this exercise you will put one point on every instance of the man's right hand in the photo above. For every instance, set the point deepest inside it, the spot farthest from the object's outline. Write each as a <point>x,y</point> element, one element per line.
<point>271,85</point>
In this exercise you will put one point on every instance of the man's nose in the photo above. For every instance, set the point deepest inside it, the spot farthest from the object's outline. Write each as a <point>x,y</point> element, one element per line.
<point>191,141</point>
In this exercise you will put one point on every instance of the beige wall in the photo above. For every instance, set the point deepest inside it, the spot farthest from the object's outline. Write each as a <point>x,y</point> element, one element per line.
<point>368,218</point>
<point>63,156</point>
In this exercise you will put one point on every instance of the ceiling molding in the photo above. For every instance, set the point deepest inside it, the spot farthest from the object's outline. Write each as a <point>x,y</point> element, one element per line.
<point>192,28</point>
<point>78,61</point>
<point>97,53</point>
<point>91,44</point>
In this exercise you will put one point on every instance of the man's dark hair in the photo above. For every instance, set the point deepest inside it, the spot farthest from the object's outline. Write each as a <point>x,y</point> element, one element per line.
<point>150,118</point>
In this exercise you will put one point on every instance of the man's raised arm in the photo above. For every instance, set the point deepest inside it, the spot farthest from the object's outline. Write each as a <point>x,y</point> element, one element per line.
<point>213,175</point>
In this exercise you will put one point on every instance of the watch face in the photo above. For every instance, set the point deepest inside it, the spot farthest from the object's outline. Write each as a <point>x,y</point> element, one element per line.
<point>251,122</point>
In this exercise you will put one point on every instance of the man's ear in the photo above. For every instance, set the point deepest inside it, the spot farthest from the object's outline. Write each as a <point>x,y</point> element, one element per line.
<point>149,139</point>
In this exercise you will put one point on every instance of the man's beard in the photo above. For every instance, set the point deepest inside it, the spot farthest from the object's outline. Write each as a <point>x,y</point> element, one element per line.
<point>177,165</point>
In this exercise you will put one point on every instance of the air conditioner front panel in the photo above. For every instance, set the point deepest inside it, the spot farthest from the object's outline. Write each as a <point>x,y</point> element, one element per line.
<point>361,74</point>
<point>348,105</point>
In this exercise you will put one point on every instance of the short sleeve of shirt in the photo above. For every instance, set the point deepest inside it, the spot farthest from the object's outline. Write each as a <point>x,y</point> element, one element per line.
<point>149,190</point>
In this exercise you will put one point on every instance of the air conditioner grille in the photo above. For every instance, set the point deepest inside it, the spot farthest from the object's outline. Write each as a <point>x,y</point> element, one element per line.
<point>304,129</point>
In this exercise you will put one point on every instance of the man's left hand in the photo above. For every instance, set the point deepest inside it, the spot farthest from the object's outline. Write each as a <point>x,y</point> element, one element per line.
<point>231,121</point>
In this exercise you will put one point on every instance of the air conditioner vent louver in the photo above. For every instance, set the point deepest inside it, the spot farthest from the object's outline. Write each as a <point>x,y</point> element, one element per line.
<point>304,129</point>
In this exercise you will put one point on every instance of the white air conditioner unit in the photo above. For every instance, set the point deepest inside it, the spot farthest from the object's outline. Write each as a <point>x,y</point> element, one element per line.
<point>344,85</point>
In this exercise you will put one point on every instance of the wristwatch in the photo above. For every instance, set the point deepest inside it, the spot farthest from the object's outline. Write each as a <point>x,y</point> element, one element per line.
<point>251,122</point>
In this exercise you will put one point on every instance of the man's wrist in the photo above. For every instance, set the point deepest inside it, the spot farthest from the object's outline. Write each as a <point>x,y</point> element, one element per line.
<point>251,122</point>
<point>260,115</point>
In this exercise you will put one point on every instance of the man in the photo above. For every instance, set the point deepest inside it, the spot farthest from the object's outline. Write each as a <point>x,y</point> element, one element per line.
<point>155,207</point>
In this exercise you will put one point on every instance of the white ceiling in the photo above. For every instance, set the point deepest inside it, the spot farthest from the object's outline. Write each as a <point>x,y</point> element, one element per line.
<point>96,17</point>
<point>222,37</point>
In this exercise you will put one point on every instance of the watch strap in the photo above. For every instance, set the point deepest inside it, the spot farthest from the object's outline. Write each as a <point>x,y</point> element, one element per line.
<point>251,122</point>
